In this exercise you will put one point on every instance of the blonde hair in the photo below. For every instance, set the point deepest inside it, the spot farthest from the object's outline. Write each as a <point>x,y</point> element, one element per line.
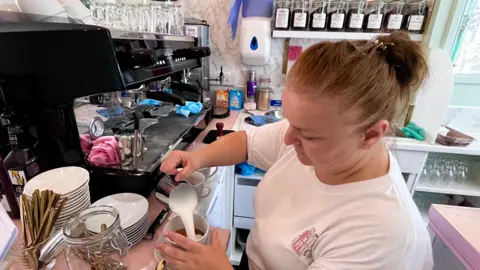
<point>375,77</point>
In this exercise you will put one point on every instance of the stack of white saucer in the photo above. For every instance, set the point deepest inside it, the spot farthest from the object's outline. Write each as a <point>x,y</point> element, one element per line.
<point>133,209</point>
<point>70,183</point>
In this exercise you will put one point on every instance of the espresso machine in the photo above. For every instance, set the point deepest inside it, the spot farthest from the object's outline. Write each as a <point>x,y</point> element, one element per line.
<point>44,67</point>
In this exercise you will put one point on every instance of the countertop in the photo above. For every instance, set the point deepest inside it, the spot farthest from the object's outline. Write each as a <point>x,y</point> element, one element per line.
<point>458,228</point>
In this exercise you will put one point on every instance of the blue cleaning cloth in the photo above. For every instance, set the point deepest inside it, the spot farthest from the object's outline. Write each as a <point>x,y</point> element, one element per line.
<point>149,101</point>
<point>250,8</point>
<point>260,120</point>
<point>247,169</point>
<point>190,107</point>
<point>111,112</point>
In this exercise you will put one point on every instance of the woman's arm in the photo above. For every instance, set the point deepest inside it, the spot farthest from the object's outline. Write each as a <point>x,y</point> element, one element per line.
<point>229,150</point>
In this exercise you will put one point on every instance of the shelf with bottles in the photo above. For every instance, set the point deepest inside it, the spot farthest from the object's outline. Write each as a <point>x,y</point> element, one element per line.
<point>349,19</point>
<point>450,174</point>
<point>334,35</point>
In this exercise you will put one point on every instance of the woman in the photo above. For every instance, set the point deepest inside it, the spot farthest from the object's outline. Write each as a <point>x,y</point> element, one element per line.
<point>333,196</point>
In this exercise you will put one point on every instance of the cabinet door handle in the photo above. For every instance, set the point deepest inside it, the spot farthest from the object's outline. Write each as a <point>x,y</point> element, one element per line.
<point>247,182</point>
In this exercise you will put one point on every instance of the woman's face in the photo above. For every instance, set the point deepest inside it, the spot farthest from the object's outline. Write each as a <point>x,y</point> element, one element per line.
<point>321,133</point>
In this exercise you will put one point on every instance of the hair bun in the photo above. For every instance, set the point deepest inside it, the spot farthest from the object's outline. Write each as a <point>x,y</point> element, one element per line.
<point>405,57</point>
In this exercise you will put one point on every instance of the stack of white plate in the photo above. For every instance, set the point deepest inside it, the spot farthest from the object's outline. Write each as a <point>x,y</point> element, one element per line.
<point>69,182</point>
<point>133,210</point>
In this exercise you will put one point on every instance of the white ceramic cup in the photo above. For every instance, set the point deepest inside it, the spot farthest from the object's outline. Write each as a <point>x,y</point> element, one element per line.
<point>209,171</point>
<point>200,223</point>
<point>198,179</point>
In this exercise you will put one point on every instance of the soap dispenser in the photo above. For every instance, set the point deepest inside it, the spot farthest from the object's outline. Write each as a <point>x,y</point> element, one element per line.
<point>255,40</point>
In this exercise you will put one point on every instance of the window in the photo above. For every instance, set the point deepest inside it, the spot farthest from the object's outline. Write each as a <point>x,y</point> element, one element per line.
<point>465,53</point>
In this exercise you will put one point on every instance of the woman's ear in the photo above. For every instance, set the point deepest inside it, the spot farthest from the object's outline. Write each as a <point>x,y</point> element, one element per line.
<point>374,133</point>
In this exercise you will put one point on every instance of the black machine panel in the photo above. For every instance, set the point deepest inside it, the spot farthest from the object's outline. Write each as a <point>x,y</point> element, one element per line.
<point>50,64</point>
<point>45,66</point>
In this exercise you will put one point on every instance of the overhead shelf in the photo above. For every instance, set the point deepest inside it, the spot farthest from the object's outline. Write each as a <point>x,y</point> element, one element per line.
<point>468,187</point>
<point>334,35</point>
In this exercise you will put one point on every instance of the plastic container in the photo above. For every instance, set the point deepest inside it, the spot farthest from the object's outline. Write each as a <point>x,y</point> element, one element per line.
<point>416,16</point>
<point>300,15</point>
<point>394,15</point>
<point>318,15</point>
<point>355,15</point>
<point>336,15</point>
<point>451,137</point>
<point>282,14</point>
<point>374,16</point>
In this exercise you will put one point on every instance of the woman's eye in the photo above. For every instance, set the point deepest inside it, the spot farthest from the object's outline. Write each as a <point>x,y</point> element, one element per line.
<point>308,138</point>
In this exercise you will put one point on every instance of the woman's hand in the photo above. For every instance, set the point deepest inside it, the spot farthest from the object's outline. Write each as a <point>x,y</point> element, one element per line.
<point>195,256</point>
<point>175,159</point>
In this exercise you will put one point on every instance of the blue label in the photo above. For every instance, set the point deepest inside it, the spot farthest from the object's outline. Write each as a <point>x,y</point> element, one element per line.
<point>276,103</point>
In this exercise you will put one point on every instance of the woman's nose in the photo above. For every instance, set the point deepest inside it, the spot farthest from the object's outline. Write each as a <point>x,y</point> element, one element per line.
<point>289,136</point>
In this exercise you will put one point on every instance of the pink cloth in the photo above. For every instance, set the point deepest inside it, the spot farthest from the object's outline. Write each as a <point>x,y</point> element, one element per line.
<point>103,151</point>
<point>86,143</point>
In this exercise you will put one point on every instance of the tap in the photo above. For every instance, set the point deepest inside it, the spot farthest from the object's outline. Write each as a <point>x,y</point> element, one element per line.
<point>220,77</point>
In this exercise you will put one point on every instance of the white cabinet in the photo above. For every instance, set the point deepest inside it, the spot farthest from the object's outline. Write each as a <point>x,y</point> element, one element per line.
<point>244,191</point>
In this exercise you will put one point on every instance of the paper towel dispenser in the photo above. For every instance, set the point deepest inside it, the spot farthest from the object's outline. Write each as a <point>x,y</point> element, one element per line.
<point>255,40</point>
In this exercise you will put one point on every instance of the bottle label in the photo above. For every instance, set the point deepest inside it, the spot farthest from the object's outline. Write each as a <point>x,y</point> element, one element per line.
<point>17,177</point>
<point>416,22</point>
<point>374,21</point>
<point>356,21</point>
<point>300,19</point>
<point>337,20</point>
<point>318,20</point>
<point>18,180</point>
<point>395,21</point>
<point>281,20</point>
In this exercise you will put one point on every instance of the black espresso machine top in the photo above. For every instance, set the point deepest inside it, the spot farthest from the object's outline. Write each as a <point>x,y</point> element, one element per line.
<point>45,66</point>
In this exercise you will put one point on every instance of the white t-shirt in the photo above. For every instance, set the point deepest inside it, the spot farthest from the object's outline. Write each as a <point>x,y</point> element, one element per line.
<point>302,223</point>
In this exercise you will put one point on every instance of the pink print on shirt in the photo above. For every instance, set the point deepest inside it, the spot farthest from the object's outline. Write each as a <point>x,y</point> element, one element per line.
<point>302,244</point>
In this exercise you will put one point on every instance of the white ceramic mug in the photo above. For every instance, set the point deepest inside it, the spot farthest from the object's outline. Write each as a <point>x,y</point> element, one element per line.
<point>208,172</point>
<point>198,179</point>
<point>200,223</point>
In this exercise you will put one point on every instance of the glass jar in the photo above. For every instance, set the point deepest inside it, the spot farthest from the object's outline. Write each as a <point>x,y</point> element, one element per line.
<point>374,16</point>
<point>318,15</point>
<point>336,15</point>
<point>416,14</point>
<point>263,94</point>
<point>300,15</point>
<point>355,15</point>
<point>394,12</point>
<point>282,14</point>
<point>95,240</point>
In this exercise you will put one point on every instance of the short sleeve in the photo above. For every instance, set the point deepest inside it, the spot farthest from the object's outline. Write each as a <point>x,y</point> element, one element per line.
<point>265,144</point>
<point>371,246</point>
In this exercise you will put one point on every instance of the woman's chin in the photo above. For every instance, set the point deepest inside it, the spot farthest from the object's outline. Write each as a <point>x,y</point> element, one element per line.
<point>303,159</point>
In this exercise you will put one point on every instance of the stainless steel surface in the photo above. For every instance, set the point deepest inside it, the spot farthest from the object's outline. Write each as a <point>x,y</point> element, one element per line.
<point>203,36</point>
<point>123,34</point>
<point>52,248</point>
<point>161,138</point>
<point>275,113</point>
<point>136,153</point>
<point>253,76</point>
<point>263,100</point>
